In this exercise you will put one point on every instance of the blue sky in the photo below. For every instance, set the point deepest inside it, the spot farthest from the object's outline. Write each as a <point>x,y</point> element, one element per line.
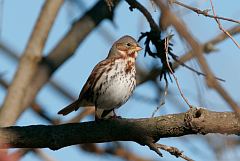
<point>18,18</point>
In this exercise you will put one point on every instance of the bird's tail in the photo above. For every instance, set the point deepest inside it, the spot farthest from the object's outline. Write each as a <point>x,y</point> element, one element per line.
<point>72,107</point>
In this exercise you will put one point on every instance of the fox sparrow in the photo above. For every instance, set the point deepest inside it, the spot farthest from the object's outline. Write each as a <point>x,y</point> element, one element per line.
<point>111,82</point>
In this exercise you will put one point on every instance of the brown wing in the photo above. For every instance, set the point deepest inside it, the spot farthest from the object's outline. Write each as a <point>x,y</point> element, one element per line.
<point>86,94</point>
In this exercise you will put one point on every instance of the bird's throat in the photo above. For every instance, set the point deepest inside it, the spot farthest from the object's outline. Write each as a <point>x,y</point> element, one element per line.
<point>133,54</point>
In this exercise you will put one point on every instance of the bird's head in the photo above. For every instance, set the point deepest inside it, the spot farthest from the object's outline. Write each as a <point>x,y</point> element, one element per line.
<point>126,46</point>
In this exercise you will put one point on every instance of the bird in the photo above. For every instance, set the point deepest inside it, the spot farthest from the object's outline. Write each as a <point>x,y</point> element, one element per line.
<point>111,82</point>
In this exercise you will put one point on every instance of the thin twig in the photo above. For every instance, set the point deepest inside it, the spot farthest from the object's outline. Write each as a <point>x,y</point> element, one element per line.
<point>220,26</point>
<point>174,151</point>
<point>171,71</point>
<point>162,100</point>
<point>197,72</point>
<point>153,147</point>
<point>204,12</point>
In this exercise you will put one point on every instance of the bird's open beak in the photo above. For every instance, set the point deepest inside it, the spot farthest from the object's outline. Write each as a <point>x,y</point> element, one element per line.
<point>138,48</point>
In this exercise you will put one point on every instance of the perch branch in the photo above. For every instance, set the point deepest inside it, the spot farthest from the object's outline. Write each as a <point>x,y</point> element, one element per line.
<point>143,131</point>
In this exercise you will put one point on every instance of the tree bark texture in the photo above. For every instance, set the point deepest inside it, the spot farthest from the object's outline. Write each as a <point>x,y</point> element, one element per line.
<point>142,131</point>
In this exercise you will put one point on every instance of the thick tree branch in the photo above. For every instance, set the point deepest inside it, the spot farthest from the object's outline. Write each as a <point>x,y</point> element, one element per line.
<point>142,131</point>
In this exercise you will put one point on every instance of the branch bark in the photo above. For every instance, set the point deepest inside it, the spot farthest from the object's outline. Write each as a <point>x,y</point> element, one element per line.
<point>28,63</point>
<point>143,131</point>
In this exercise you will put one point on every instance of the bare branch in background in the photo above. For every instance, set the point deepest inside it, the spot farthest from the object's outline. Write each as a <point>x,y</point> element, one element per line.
<point>9,52</point>
<point>43,156</point>
<point>28,63</point>
<point>115,149</point>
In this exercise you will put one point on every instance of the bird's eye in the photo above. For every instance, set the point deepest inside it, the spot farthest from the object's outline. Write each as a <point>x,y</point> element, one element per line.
<point>128,44</point>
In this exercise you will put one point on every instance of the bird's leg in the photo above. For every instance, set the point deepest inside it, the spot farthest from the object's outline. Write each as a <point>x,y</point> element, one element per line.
<point>106,113</point>
<point>109,114</point>
<point>114,116</point>
<point>101,114</point>
<point>97,115</point>
<point>114,113</point>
